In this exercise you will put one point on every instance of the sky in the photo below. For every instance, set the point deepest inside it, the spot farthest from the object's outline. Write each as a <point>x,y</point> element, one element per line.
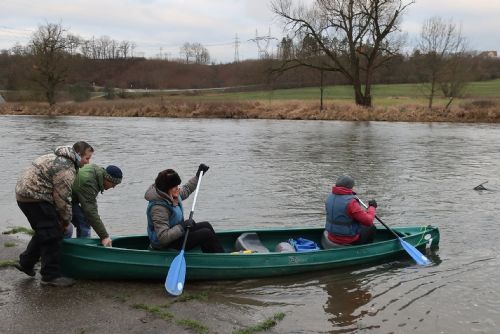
<point>160,27</point>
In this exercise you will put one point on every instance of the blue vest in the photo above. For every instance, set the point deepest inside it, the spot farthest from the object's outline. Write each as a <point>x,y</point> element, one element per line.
<point>337,220</point>
<point>176,217</point>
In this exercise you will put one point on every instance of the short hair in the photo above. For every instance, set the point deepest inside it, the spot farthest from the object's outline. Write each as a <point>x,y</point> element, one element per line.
<point>81,147</point>
<point>167,179</point>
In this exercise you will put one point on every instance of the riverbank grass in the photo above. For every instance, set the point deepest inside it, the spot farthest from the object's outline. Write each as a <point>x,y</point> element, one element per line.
<point>19,229</point>
<point>264,326</point>
<point>7,263</point>
<point>156,310</point>
<point>193,325</point>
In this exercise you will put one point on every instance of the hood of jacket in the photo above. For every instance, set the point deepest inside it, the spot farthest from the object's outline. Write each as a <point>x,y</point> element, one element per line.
<point>68,152</point>
<point>342,191</point>
<point>153,194</point>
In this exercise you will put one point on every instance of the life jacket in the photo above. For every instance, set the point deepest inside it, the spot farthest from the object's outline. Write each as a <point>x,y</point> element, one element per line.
<point>337,220</point>
<point>176,217</point>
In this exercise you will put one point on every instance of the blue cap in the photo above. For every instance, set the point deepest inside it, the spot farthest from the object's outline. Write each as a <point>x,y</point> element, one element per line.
<point>113,174</point>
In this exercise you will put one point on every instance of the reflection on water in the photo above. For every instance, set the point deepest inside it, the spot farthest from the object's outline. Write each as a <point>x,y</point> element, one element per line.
<point>347,294</point>
<point>267,173</point>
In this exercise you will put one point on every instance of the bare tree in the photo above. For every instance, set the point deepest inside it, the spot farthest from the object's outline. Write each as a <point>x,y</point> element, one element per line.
<point>125,49</point>
<point>195,51</point>
<point>19,50</point>
<point>454,80</point>
<point>186,52</point>
<point>200,53</point>
<point>86,48</point>
<point>441,45</point>
<point>48,46</point>
<point>355,36</point>
<point>72,43</point>
<point>285,49</point>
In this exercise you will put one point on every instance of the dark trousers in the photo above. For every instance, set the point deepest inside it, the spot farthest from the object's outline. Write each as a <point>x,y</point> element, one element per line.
<point>366,235</point>
<point>46,243</point>
<point>202,235</point>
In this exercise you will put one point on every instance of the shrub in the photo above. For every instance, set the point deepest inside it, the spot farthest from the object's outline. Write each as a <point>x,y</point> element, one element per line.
<point>109,93</point>
<point>80,92</point>
<point>479,104</point>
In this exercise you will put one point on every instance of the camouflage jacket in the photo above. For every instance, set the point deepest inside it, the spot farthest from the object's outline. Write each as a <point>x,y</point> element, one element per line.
<point>49,179</point>
<point>88,184</point>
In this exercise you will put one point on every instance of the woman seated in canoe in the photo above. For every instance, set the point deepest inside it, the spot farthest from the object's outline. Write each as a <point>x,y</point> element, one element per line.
<point>165,213</point>
<point>347,223</point>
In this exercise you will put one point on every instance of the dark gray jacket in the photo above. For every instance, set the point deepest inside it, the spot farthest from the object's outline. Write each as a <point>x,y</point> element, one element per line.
<point>161,215</point>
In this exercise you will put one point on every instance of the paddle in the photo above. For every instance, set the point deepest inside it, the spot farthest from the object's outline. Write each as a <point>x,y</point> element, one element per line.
<point>174,283</point>
<point>420,258</point>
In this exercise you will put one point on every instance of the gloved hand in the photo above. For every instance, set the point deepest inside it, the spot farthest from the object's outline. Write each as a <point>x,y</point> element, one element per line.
<point>188,223</point>
<point>373,203</point>
<point>203,168</point>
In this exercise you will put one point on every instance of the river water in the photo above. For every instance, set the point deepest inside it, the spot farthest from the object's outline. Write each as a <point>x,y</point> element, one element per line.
<point>267,173</point>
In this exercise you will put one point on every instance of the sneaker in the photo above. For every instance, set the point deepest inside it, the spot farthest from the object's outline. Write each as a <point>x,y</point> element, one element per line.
<point>29,272</point>
<point>60,282</point>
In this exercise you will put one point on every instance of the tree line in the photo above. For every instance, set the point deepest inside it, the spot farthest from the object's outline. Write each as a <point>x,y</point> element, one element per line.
<point>354,42</point>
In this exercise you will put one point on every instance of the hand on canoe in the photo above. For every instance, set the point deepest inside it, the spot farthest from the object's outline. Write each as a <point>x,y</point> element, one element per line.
<point>106,242</point>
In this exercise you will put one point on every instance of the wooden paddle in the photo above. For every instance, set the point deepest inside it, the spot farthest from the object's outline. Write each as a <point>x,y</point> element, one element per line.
<point>174,283</point>
<point>420,258</point>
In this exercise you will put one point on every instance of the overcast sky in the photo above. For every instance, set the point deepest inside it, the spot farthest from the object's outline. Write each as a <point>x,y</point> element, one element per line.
<point>162,26</point>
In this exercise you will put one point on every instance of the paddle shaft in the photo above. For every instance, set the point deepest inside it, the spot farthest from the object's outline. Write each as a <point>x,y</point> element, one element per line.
<point>420,258</point>
<point>380,220</point>
<point>192,208</point>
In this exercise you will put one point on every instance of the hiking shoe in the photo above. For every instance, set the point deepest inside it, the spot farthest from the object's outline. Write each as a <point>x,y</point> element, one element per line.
<point>60,282</point>
<point>29,272</point>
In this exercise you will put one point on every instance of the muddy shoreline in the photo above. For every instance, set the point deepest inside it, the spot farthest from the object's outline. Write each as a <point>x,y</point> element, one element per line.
<point>466,112</point>
<point>117,306</point>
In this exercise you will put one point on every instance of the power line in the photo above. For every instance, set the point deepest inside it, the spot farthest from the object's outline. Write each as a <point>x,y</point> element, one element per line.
<point>236,49</point>
<point>262,43</point>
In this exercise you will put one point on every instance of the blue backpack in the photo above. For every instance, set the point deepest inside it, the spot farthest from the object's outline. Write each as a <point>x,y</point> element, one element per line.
<point>303,245</point>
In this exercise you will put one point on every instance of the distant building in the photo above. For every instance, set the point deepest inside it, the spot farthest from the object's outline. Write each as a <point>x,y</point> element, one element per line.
<point>488,54</point>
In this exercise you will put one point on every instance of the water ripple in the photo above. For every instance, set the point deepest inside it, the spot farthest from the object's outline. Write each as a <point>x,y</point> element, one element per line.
<point>266,173</point>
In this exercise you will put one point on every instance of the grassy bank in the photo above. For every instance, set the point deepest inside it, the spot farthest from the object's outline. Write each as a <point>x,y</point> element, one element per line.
<point>403,102</point>
<point>466,111</point>
<point>387,95</point>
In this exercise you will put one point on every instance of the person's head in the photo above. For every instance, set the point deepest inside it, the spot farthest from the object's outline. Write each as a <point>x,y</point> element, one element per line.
<point>345,181</point>
<point>168,181</point>
<point>112,177</point>
<point>84,150</point>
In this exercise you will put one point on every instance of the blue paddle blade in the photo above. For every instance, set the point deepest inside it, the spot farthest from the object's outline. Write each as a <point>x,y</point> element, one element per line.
<point>420,258</point>
<point>174,284</point>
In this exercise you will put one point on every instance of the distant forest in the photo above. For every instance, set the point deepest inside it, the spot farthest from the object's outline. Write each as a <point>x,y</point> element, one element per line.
<point>360,44</point>
<point>140,73</point>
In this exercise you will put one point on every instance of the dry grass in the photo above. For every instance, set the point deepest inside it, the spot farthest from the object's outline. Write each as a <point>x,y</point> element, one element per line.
<point>487,111</point>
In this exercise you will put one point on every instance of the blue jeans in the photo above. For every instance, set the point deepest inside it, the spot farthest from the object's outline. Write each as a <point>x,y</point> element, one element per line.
<point>78,220</point>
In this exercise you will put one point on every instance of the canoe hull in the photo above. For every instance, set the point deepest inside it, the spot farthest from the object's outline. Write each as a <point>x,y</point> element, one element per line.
<point>131,259</point>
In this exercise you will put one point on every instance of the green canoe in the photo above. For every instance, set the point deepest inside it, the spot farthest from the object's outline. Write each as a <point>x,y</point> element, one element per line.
<point>131,258</point>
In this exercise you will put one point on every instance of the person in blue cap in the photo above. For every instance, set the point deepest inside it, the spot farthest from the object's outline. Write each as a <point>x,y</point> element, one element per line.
<point>90,181</point>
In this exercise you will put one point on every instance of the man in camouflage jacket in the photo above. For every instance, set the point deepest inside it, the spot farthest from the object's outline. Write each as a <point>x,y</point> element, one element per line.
<point>43,193</point>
